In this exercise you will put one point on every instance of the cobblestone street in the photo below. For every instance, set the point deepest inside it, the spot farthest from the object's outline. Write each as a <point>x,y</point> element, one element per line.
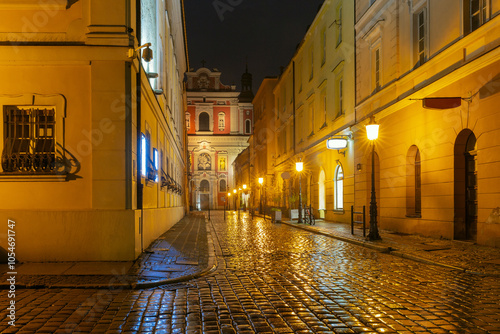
<point>273,278</point>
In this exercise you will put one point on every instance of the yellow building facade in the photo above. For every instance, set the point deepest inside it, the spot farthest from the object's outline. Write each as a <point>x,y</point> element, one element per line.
<point>428,72</point>
<point>313,101</point>
<point>93,141</point>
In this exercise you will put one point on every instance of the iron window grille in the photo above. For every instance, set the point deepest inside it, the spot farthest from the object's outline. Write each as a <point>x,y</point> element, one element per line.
<point>29,140</point>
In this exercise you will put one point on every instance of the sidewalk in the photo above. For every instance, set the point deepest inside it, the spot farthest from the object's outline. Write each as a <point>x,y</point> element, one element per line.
<point>453,254</point>
<point>183,252</point>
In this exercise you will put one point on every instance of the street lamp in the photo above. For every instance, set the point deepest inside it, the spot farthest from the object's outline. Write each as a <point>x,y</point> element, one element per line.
<point>299,166</point>
<point>372,134</point>
<point>228,202</point>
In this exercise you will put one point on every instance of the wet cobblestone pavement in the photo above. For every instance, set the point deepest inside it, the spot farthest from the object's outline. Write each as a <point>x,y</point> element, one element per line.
<point>275,278</point>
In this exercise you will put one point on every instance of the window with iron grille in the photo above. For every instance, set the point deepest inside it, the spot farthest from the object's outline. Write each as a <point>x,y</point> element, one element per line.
<point>29,140</point>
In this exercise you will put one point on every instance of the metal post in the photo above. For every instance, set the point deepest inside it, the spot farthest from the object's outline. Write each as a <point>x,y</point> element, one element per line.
<point>373,234</point>
<point>364,220</point>
<point>300,199</point>
<point>260,210</point>
<point>352,219</point>
<point>225,210</point>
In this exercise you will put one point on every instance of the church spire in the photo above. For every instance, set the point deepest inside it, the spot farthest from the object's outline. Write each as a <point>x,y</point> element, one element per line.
<point>246,94</point>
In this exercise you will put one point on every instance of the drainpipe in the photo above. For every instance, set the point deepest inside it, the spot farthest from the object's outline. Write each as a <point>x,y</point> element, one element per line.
<point>293,105</point>
<point>138,124</point>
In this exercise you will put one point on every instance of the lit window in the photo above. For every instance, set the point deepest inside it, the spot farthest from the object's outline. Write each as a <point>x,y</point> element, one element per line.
<point>156,163</point>
<point>222,121</point>
<point>29,140</point>
<point>339,189</point>
<point>143,154</point>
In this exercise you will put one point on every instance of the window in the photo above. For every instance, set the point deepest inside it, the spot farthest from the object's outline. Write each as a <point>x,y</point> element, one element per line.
<point>222,121</point>
<point>478,13</point>
<point>419,37</point>
<point>311,118</point>
<point>377,68</point>
<point>299,75</point>
<point>248,126</point>
<point>323,46</point>
<point>222,186</point>
<point>413,183</point>
<point>204,186</point>
<point>188,121</point>
<point>143,154</point>
<point>29,140</point>
<point>311,59</point>
<point>204,122</point>
<point>323,107</point>
<point>340,97</point>
<point>156,163</point>
<point>339,26</point>
<point>339,188</point>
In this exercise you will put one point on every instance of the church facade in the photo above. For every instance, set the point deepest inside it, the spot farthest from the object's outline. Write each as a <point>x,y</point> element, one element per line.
<point>219,121</point>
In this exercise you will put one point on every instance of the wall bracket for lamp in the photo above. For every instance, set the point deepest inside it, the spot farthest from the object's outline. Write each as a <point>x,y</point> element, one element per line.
<point>147,54</point>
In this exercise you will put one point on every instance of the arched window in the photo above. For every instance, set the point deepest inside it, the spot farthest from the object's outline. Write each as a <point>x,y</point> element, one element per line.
<point>204,122</point>
<point>339,188</point>
<point>248,126</point>
<point>222,121</point>
<point>321,195</point>
<point>222,186</point>
<point>413,184</point>
<point>204,186</point>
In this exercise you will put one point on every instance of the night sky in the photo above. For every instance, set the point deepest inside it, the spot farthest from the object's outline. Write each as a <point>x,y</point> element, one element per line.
<point>225,33</point>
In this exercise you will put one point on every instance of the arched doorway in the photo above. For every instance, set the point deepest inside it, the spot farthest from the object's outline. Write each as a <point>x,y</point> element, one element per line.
<point>465,186</point>
<point>321,194</point>
<point>204,195</point>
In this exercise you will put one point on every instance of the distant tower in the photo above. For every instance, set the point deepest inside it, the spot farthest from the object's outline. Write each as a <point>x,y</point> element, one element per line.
<point>246,94</point>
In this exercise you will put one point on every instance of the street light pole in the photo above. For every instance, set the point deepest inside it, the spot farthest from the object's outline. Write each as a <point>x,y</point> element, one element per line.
<point>299,166</point>
<point>372,134</point>
<point>261,181</point>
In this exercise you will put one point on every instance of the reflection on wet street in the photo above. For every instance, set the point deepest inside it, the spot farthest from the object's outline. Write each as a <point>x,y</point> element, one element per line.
<point>272,278</point>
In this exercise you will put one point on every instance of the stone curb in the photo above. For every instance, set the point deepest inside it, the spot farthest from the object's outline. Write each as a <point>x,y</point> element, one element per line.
<point>211,267</point>
<point>388,250</point>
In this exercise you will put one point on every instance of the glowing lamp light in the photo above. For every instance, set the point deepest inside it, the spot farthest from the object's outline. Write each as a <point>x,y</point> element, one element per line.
<point>336,143</point>
<point>299,166</point>
<point>228,194</point>
<point>261,180</point>
<point>234,191</point>
<point>372,130</point>
<point>244,186</point>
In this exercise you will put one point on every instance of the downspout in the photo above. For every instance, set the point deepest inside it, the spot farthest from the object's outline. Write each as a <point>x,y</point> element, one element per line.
<point>293,105</point>
<point>139,131</point>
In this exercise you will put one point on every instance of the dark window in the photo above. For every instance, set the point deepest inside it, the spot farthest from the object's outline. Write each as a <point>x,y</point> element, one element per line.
<point>204,186</point>
<point>222,186</point>
<point>29,140</point>
<point>204,120</point>
<point>248,126</point>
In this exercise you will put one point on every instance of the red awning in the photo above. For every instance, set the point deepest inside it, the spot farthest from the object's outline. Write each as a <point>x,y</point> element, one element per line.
<point>441,102</point>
